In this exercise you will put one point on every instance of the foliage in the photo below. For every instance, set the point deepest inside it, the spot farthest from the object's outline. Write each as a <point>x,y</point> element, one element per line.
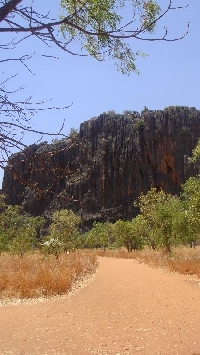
<point>52,245</point>
<point>165,216</point>
<point>170,223</point>
<point>164,221</point>
<point>146,203</point>
<point>130,233</point>
<point>2,203</point>
<point>102,27</point>
<point>38,223</point>
<point>191,197</point>
<point>18,231</point>
<point>64,233</point>
<point>139,123</point>
<point>73,133</point>
<point>100,236</point>
<point>196,152</point>
<point>24,241</point>
<point>96,25</point>
<point>140,230</point>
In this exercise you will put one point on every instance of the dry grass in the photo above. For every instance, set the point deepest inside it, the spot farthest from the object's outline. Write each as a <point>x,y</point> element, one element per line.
<point>34,276</point>
<point>183,260</point>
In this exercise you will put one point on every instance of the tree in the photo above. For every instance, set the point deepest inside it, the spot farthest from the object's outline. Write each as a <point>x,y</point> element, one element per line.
<point>91,239</point>
<point>18,231</point>
<point>196,152</point>
<point>146,204</point>
<point>140,231</point>
<point>64,234</point>
<point>52,245</point>
<point>100,26</point>
<point>100,236</point>
<point>170,223</point>
<point>130,234</point>
<point>24,241</point>
<point>191,197</point>
<point>165,217</point>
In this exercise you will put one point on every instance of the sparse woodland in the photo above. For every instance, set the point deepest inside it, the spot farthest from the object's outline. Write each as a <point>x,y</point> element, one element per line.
<point>33,266</point>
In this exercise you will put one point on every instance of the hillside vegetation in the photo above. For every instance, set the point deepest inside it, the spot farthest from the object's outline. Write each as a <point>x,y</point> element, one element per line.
<point>34,265</point>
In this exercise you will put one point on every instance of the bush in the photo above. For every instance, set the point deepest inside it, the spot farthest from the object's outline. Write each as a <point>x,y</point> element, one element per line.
<point>100,236</point>
<point>64,233</point>
<point>18,231</point>
<point>128,234</point>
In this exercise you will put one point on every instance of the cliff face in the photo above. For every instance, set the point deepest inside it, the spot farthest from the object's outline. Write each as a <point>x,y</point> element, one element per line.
<point>101,170</point>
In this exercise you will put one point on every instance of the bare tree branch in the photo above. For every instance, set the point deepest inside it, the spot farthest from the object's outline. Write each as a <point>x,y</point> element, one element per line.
<point>8,8</point>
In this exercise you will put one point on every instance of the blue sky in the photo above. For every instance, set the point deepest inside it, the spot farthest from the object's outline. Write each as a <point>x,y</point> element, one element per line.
<point>169,75</point>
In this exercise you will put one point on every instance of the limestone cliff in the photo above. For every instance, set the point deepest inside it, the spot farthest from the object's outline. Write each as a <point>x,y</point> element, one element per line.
<point>99,171</point>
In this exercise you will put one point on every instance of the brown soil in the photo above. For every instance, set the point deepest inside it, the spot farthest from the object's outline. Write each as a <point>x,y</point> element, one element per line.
<point>126,308</point>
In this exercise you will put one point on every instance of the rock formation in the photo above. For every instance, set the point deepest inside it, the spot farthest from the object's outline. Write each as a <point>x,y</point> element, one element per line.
<point>101,170</point>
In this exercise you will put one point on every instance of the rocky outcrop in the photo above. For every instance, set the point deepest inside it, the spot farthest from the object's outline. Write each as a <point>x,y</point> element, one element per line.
<point>100,171</point>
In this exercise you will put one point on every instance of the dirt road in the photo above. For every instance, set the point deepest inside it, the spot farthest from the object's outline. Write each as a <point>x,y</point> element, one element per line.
<point>126,308</point>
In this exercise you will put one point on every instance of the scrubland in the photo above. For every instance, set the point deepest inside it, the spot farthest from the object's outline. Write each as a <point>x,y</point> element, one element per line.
<point>34,276</point>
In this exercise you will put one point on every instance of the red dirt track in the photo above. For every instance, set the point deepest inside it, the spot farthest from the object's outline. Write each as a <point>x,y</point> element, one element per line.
<point>125,308</point>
